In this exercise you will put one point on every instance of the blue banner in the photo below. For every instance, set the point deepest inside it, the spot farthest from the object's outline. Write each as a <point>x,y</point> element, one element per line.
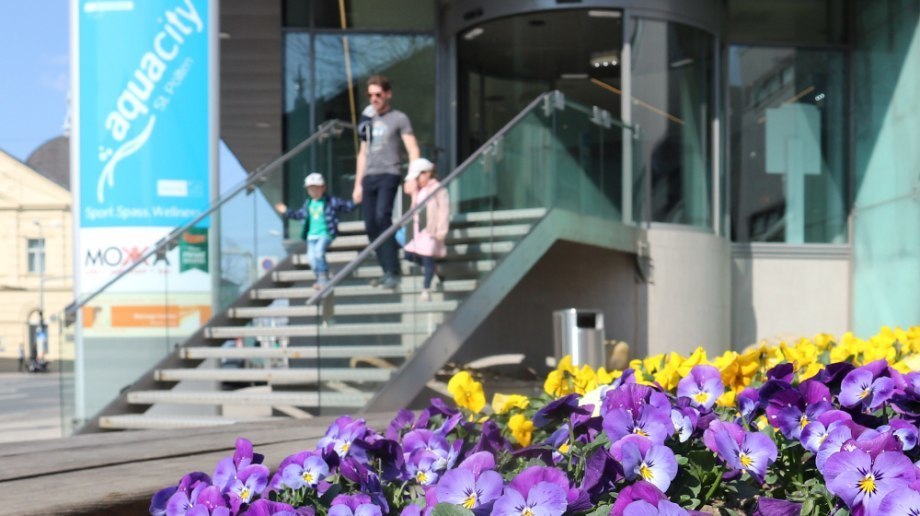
<point>144,112</point>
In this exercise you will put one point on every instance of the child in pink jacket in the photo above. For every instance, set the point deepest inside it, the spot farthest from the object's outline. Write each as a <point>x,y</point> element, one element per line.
<point>430,224</point>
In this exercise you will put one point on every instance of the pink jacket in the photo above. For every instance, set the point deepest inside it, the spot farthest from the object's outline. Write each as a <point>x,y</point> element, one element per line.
<point>429,241</point>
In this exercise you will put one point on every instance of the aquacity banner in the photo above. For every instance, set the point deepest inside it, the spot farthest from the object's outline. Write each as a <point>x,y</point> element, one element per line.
<point>144,111</point>
<point>144,139</point>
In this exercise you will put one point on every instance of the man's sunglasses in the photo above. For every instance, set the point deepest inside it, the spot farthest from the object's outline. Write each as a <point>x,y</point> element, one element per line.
<point>373,95</point>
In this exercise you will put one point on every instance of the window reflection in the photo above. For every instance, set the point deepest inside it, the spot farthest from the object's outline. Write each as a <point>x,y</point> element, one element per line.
<point>672,92</point>
<point>788,128</point>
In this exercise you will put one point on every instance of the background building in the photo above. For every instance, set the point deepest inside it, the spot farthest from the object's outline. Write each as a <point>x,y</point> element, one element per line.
<point>35,248</point>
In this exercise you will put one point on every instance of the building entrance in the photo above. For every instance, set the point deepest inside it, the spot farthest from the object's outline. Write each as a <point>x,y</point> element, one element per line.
<point>503,64</point>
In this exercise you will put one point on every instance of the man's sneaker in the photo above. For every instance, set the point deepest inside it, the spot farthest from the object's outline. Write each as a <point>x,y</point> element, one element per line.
<point>389,281</point>
<point>424,296</point>
<point>374,282</point>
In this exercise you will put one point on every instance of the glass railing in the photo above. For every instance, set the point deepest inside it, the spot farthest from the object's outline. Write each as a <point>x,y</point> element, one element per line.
<point>167,291</point>
<point>556,155</point>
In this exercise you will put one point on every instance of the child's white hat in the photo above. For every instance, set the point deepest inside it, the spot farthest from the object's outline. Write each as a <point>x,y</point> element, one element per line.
<point>417,167</point>
<point>314,179</point>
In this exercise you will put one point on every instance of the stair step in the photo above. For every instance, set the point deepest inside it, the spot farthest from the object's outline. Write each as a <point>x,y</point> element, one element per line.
<point>148,422</point>
<point>531,214</point>
<point>453,236</point>
<point>409,286</point>
<point>453,269</point>
<point>276,376</point>
<point>344,309</point>
<point>293,352</point>
<point>313,330</point>
<point>463,252</point>
<point>296,399</point>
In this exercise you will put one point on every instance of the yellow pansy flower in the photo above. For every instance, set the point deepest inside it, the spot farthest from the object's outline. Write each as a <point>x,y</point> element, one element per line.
<point>696,358</point>
<point>521,428</point>
<point>585,379</point>
<point>812,369</point>
<point>467,392</point>
<point>727,399</point>
<point>606,378</point>
<point>502,403</point>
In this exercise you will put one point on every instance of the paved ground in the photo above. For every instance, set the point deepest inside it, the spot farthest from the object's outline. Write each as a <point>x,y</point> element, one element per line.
<point>30,406</point>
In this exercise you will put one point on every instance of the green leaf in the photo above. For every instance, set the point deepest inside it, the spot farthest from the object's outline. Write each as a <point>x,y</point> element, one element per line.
<point>447,509</point>
<point>333,491</point>
<point>808,507</point>
<point>601,510</point>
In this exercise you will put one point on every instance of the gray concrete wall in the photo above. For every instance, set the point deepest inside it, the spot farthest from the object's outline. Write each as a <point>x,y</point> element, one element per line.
<point>787,295</point>
<point>570,275</point>
<point>690,291</point>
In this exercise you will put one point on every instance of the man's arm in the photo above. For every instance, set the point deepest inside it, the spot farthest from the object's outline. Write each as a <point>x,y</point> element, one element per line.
<point>358,192</point>
<point>411,146</point>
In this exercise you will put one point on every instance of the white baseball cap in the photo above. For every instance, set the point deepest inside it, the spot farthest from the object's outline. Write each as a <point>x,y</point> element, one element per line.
<point>417,167</point>
<point>314,179</point>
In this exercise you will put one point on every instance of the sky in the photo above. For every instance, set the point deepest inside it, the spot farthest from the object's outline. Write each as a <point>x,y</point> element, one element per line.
<point>34,57</point>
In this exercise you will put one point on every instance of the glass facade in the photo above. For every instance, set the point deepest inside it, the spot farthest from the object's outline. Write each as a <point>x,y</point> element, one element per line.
<point>886,212</point>
<point>672,103</point>
<point>788,120</point>
<point>793,22</point>
<point>325,77</point>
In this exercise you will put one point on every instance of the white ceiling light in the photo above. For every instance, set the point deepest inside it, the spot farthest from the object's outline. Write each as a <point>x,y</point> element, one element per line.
<point>473,34</point>
<point>605,14</point>
<point>681,63</point>
<point>574,76</point>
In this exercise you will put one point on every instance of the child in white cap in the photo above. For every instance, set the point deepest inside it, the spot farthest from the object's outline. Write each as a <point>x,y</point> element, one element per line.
<point>320,213</point>
<point>430,224</point>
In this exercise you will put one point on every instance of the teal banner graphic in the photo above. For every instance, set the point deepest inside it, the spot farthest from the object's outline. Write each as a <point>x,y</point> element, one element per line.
<point>143,111</point>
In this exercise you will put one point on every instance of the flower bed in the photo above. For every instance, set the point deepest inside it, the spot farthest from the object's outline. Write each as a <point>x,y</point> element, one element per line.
<point>822,426</point>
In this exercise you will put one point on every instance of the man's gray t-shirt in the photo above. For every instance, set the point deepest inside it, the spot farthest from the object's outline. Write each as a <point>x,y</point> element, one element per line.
<point>385,142</point>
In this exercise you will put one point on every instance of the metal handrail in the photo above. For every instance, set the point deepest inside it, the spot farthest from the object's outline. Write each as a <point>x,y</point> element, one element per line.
<point>330,127</point>
<point>548,99</point>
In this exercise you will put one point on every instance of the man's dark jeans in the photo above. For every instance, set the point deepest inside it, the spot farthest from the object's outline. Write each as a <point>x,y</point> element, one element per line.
<point>379,194</point>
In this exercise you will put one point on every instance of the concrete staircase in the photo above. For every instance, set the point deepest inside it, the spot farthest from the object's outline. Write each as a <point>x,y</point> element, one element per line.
<point>271,356</point>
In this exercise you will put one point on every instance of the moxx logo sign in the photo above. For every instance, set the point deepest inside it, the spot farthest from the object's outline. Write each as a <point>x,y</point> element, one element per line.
<point>114,256</point>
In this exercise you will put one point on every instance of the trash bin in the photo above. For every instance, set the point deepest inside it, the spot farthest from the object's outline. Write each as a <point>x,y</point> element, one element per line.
<point>580,333</point>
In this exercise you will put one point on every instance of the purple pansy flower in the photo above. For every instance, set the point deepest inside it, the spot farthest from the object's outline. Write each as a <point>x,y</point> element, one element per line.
<point>353,505</point>
<point>641,490</point>
<point>702,386</point>
<point>202,501</point>
<point>421,467</point>
<point>641,459</point>
<point>684,420</point>
<point>248,485</point>
<point>644,508</point>
<point>749,451</point>
<point>226,471</point>
<point>903,431</point>
<point>837,434</point>
<point>542,499</point>
<point>861,387</point>
<point>308,473</point>
<point>465,487</point>
<point>433,443</point>
<point>902,501</point>
<point>792,420</point>
<point>861,481</point>
<point>536,474</point>
<point>265,507</point>
<point>342,434</point>
<point>625,415</point>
